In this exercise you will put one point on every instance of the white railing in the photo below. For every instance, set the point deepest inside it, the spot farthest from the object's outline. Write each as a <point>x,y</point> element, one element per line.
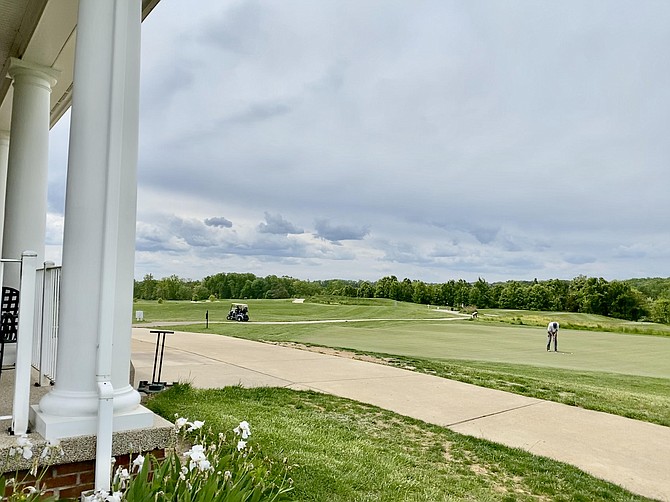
<point>24,341</point>
<point>37,335</point>
<point>45,332</point>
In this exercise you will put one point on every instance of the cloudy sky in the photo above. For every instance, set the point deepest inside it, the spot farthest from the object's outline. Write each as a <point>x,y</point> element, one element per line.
<point>429,139</point>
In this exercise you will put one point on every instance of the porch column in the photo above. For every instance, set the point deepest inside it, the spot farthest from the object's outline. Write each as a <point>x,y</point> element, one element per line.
<point>26,195</point>
<point>4,159</point>
<point>99,232</point>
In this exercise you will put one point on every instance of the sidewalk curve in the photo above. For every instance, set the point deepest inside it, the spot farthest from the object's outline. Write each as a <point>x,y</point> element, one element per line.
<point>630,453</point>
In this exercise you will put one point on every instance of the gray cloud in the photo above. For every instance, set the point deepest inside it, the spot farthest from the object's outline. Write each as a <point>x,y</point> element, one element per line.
<point>406,253</point>
<point>579,259</point>
<point>238,30</point>
<point>258,112</point>
<point>485,235</point>
<point>218,221</point>
<point>156,238</point>
<point>193,232</point>
<point>336,233</point>
<point>276,224</point>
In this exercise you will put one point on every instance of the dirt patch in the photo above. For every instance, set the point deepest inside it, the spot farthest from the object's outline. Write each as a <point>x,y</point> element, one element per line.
<point>447,451</point>
<point>336,352</point>
<point>480,470</point>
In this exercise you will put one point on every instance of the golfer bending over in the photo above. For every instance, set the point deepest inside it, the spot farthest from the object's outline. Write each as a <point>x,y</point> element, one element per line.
<point>552,333</point>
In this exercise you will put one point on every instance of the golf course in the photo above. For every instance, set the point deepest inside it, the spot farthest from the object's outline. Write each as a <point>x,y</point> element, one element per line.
<point>603,363</point>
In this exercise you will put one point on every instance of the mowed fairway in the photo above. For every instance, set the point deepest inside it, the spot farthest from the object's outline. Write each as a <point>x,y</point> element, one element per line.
<point>436,334</point>
<point>579,350</point>
<point>597,367</point>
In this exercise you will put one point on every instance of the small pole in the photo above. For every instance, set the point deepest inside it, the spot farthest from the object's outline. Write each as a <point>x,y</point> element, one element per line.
<point>207,319</point>
<point>160,368</point>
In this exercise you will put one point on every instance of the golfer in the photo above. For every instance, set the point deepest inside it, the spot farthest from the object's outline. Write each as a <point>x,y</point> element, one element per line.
<point>552,333</point>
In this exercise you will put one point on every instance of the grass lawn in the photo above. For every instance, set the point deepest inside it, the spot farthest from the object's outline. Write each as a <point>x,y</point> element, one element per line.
<point>286,310</point>
<point>574,320</point>
<point>611,371</point>
<point>347,451</point>
<point>473,340</point>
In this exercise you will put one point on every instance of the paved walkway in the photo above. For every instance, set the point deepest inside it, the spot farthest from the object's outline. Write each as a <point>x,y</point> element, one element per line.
<point>630,453</point>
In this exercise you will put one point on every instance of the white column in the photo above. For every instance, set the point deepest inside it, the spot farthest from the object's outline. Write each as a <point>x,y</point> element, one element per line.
<point>26,195</point>
<point>4,159</point>
<point>99,233</point>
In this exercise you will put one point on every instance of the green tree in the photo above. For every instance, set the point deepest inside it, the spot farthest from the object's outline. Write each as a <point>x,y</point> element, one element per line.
<point>421,294</point>
<point>200,293</point>
<point>279,291</point>
<point>461,293</point>
<point>305,289</point>
<point>660,311</point>
<point>624,302</point>
<point>366,290</point>
<point>512,296</point>
<point>146,289</point>
<point>172,288</point>
<point>539,296</point>
<point>384,286</point>
<point>479,294</point>
<point>405,290</point>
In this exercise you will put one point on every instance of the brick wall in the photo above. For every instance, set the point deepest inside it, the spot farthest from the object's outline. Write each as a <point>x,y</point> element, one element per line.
<point>69,480</point>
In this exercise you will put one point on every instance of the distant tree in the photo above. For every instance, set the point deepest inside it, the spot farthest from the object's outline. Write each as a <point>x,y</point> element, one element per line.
<point>576,294</point>
<point>512,296</point>
<point>172,288</point>
<point>339,287</point>
<point>218,285</point>
<point>245,292</point>
<point>447,293</point>
<point>494,294</point>
<point>384,286</point>
<point>660,311</point>
<point>146,289</point>
<point>558,294</point>
<point>461,293</point>
<point>405,290</point>
<point>538,296</point>
<point>366,290</point>
<point>200,293</point>
<point>421,293</point>
<point>624,302</point>
<point>257,289</point>
<point>278,292</point>
<point>652,287</point>
<point>305,289</point>
<point>479,294</point>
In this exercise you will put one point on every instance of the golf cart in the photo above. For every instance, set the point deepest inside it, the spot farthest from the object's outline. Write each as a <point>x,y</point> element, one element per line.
<point>238,312</point>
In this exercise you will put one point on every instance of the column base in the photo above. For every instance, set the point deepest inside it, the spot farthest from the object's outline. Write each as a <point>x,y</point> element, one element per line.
<point>56,427</point>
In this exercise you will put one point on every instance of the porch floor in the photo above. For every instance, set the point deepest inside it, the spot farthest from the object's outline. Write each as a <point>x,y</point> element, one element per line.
<point>7,397</point>
<point>75,449</point>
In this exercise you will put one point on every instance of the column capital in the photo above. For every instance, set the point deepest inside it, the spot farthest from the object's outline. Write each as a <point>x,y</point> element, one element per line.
<point>19,67</point>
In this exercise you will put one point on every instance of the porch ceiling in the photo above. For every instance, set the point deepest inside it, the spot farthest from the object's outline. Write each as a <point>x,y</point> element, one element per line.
<point>42,32</point>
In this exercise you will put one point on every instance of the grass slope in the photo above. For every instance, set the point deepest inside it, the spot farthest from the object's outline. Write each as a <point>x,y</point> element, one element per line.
<point>347,451</point>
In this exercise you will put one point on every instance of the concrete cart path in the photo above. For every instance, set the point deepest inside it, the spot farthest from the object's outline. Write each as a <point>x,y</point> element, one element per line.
<point>630,453</point>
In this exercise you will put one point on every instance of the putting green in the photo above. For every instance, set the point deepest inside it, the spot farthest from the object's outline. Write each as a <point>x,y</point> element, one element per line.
<point>579,350</point>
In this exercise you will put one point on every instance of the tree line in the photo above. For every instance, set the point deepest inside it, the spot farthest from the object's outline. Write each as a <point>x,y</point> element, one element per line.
<point>633,299</point>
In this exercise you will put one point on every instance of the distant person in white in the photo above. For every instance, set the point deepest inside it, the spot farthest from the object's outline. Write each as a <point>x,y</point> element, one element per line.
<point>552,334</point>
